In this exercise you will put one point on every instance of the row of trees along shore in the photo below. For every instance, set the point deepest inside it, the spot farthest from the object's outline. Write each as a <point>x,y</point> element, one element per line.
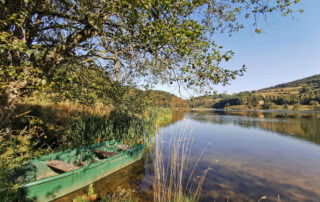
<point>266,99</point>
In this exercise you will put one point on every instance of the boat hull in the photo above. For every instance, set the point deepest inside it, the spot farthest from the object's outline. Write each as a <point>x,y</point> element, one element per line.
<point>57,186</point>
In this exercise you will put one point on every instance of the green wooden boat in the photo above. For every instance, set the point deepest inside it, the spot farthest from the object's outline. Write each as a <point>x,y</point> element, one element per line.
<point>45,183</point>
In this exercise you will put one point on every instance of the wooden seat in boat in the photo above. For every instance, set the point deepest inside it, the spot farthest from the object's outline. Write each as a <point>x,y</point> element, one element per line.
<point>104,154</point>
<point>124,147</point>
<point>61,166</point>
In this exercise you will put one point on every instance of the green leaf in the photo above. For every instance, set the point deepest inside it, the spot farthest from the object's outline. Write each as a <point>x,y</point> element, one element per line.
<point>258,30</point>
<point>28,52</point>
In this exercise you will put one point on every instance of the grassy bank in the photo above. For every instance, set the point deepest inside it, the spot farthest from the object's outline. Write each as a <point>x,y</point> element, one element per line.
<point>41,128</point>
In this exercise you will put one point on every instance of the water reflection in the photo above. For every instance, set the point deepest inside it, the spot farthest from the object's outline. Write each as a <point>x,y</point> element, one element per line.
<point>301,125</point>
<point>131,177</point>
<point>260,154</point>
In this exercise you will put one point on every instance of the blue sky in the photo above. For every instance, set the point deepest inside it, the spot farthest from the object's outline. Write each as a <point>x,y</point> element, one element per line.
<point>286,50</point>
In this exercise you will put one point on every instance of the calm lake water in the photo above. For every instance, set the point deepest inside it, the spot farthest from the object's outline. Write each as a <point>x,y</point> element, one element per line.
<point>253,154</point>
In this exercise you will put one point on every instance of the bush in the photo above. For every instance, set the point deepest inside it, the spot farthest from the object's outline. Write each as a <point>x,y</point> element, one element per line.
<point>314,103</point>
<point>227,102</point>
<point>269,105</point>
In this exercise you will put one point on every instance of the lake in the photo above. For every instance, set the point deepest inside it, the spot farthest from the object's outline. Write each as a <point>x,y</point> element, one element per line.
<point>252,155</point>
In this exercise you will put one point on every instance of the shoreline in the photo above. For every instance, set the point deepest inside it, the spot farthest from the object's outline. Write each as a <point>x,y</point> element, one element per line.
<point>256,110</point>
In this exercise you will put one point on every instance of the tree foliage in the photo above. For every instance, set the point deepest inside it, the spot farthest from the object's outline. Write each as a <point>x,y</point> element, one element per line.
<point>129,39</point>
<point>61,44</point>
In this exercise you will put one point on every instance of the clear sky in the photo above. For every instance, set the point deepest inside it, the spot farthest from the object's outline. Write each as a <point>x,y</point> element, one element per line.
<point>286,50</point>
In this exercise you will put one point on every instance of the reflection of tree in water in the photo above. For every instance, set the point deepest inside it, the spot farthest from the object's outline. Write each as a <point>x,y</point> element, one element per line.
<point>177,116</point>
<point>301,125</point>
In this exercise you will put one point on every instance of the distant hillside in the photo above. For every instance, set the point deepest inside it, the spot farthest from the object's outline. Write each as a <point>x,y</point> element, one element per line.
<point>312,81</point>
<point>302,94</point>
<point>159,98</point>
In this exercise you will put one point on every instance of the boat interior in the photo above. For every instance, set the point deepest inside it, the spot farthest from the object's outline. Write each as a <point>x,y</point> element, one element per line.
<point>68,160</point>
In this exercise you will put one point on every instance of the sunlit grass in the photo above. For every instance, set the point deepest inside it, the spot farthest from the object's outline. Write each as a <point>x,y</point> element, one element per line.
<point>172,181</point>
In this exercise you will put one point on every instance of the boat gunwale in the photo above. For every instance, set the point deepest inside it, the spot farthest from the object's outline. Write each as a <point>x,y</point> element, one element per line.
<point>89,166</point>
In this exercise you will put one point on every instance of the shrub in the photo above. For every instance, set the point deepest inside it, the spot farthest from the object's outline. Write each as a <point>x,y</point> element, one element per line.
<point>269,105</point>
<point>314,103</point>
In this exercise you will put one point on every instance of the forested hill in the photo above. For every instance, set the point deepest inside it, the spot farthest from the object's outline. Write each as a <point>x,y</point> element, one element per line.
<point>302,94</point>
<point>164,99</point>
<point>312,81</point>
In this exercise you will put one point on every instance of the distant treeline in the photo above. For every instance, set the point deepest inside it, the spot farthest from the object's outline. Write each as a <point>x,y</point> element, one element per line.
<point>301,92</point>
<point>310,97</point>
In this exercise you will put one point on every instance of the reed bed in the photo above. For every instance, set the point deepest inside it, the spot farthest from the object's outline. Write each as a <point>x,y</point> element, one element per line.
<point>172,176</point>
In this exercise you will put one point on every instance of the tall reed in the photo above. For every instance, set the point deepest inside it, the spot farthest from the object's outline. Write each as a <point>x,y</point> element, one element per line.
<point>172,177</point>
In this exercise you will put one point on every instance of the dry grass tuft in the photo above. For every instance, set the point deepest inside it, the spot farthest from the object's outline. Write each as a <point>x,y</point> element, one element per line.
<point>172,180</point>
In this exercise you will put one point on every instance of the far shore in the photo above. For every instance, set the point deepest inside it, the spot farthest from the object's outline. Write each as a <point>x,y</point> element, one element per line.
<point>257,110</point>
